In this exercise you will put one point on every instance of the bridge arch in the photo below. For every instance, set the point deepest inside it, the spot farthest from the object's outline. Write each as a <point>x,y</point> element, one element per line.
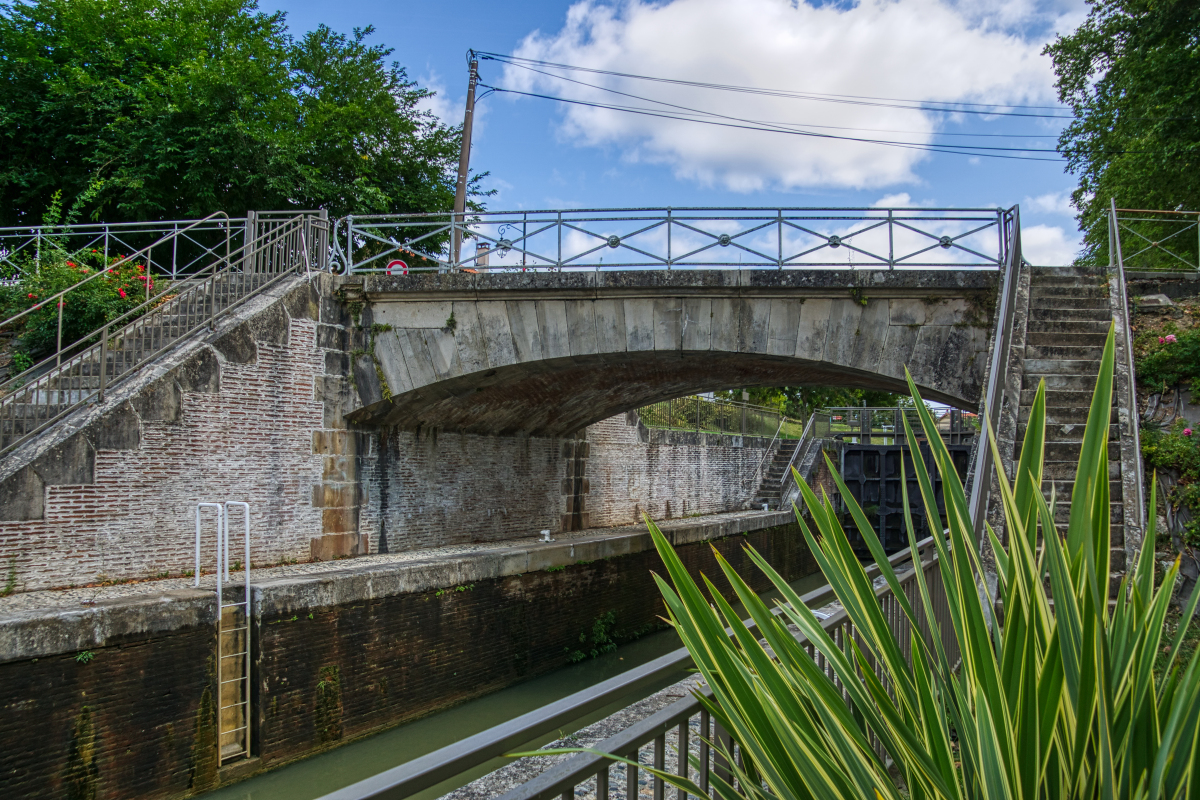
<point>546,354</point>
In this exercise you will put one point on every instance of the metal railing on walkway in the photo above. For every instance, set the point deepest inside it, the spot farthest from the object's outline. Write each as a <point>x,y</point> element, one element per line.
<point>676,238</point>
<point>713,415</point>
<point>184,245</point>
<point>684,723</point>
<point>81,370</point>
<point>1154,241</point>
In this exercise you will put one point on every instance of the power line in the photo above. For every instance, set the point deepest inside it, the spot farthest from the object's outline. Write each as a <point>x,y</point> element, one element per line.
<point>968,150</point>
<point>956,107</point>
<point>767,126</point>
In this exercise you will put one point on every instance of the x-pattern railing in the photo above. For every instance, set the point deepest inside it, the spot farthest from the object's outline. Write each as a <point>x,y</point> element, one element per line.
<point>1156,240</point>
<point>189,244</point>
<point>684,238</point>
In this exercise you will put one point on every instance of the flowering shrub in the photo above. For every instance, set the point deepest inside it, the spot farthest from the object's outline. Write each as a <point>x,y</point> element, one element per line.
<point>1175,449</point>
<point>1172,361</point>
<point>83,311</point>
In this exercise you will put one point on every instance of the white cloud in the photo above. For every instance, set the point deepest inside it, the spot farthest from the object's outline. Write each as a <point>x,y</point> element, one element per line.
<point>932,49</point>
<point>1052,203</point>
<point>1048,246</point>
<point>445,108</point>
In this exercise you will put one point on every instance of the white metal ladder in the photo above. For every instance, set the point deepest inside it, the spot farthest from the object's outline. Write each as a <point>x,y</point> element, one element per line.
<point>233,638</point>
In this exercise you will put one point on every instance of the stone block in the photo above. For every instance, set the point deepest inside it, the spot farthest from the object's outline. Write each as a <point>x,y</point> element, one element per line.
<point>303,302</point>
<point>754,317</point>
<point>389,354</point>
<point>162,401</point>
<point>497,335</point>
<point>366,380</point>
<point>271,325</point>
<point>332,546</point>
<point>552,320</point>
<point>526,332</point>
<point>610,326</point>
<point>200,373</point>
<point>416,357</point>
<point>118,430</point>
<point>334,443</point>
<point>337,363</point>
<point>339,520</point>
<point>906,311</point>
<point>783,327</point>
<point>581,327</point>
<point>443,353</point>
<point>697,323</point>
<point>668,327</point>
<point>22,496</point>
<point>340,469</point>
<point>844,317</point>
<point>237,346</point>
<point>332,337</point>
<point>813,330</point>
<point>71,463</point>
<point>725,325</point>
<point>469,339</point>
<point>639,324</point>
<point>335,495</point>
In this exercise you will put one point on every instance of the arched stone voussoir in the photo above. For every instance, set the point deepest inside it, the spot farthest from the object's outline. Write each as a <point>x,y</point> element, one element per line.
<point>535,358</point>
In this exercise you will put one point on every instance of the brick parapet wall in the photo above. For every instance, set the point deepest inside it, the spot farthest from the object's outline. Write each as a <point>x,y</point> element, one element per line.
<point>255,412</point>
<point>128,714</point>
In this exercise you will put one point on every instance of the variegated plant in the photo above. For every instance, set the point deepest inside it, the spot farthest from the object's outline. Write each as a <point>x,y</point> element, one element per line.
<point>1060,700</point>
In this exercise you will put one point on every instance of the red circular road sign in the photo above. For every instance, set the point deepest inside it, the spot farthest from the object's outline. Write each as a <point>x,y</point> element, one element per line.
<point>397,267</point>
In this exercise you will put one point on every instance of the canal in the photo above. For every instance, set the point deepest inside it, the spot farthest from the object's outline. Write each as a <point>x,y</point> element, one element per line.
<point>316,776</point>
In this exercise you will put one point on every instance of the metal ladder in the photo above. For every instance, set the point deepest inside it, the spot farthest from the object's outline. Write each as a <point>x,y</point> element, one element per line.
<point>233,638</point>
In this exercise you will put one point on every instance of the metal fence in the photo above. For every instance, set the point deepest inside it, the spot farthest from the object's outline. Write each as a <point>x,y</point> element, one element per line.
<point>713,415</point>
<point>184,245</point>
<point>683,727</point>
<point>675,238</point>
<point>82,369</point>
<point>1154,241</point>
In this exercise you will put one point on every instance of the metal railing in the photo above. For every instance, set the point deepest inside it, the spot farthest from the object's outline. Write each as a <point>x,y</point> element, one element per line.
<point>1167,241</point>
<point>81,371</point>
<point>702,414</point>
<point>1125,342</point>
<point>676,238</point>
<point>186,245</point>
<point>818,423</point>
<point>649,738</point>
<point>885,424</point>
<point>980,479</point>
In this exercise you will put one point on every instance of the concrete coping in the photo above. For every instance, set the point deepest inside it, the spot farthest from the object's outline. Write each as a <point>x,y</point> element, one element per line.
<point>58,628</point>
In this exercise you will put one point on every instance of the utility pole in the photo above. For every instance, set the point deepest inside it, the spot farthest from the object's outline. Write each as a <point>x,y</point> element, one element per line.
<point>464,160</point>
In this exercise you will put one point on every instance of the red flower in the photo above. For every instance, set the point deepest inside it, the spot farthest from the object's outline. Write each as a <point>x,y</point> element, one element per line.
<point>69,264</point>
<point>139,268</point>
<point>121,292</point>
<point>32,295</point>
<point>112,272</point>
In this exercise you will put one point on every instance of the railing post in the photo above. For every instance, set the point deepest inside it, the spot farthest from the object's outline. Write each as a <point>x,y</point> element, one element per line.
<point>58,348</point>
<point>779,236</point>
<point>103,361</point>
<point>724,744</point>
<point>668,237</point>
<point>697,413</point>
<point>558,265</point>
<point>891,241</point>
<point>174,260</point>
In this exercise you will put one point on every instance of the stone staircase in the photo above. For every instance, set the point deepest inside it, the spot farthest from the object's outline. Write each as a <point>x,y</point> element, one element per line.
<point>35,400</point>
<point>1069,317</point>
<point>771,485</point>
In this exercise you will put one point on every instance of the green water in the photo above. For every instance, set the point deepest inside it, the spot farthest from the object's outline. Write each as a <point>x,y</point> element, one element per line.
<point>321,774</point>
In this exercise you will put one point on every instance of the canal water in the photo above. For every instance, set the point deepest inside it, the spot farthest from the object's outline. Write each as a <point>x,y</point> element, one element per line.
<point>321,774</point>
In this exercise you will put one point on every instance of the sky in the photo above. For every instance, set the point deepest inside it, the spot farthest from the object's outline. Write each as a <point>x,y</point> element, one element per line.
<point>546,154</point>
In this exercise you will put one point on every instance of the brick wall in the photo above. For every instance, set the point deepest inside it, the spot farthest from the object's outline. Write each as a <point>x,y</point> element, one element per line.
<point>132,717</point>
<point>357,668</point>
<point>255,413</point>
<point>135,720</point>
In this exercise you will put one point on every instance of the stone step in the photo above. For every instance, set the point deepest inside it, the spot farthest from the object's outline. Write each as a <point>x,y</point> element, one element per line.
<point>1069,451</point>
<point>1078,383</point>
<point>1067,432</point>
<point>1059,301</point>
<point>1084,291</point>
<point>1097,314</point>
<point>1059,398</point>
<point>1059,416</point>
<point>1041,325</point>
<point>1065,339</point>
<point>1036,367</point>
<point>1063,352</point>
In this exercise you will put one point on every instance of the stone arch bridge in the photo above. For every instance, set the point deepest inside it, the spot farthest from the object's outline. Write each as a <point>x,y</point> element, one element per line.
<point>548,353</point>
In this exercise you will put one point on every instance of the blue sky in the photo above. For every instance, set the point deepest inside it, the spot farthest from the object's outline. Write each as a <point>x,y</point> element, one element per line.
<point>544,154</point>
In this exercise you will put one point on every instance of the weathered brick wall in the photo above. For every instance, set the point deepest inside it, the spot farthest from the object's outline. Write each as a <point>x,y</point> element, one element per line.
<point>254,413</point>
<point>355,669</point>
<point>134,719</point>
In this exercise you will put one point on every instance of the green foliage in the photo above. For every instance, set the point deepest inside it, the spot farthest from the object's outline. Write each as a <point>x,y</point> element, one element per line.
<point>1161,365</point>
<point>602,639</point>
<point>107,292</point>
<point>1059,700</point>
<point>798,402</point>
<point>1131,75</point>
<point>84,656</point>
<point>1173,449</point>
<point>152,109</point>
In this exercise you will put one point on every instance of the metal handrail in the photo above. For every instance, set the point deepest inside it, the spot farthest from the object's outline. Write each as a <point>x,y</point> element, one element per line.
<point>801,443</point>
<point>648,414</point>
<point>768,453</point>
<point>180,300</point>
<point>1116,259</point>
<point>429,770</point>
<point>668,238</point>
<point>981,482</point>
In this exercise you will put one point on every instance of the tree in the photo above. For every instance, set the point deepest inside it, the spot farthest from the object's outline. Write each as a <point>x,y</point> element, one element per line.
<point>151,109</point>
<point>1131,74</point>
